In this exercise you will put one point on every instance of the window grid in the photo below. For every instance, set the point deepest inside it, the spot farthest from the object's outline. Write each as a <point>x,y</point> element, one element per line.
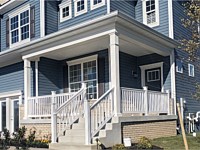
<point>80,5</point>
<point>153,75</point>
<point>19,26</point>
<point>150,11</point>
<point>65,12</point>
<point>97,2</point>
<point>85,72</point>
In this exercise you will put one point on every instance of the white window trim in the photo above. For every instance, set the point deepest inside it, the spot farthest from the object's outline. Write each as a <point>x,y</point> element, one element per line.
<point>157,23</point>
<point>178,70</point>
<point>151,66</point>
<point>92,6</point>
<point>13,14</point>
<point>191,75</point>
<point>81,61</point>
<point>63,5</point>
<point>82,11</point>
<point>155,70</point>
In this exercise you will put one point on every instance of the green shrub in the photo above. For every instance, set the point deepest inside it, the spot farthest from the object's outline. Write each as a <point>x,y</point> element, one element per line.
<point>118,146</point>
<point>144,143</point>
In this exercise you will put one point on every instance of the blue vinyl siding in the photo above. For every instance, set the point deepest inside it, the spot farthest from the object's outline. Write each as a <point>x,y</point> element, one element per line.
<point>50,74</point>
<point>124,6</point>
<point>185,85</point>
<point>129,65</point>
<point>91,14</point>
<point>35,3</point>
<point>51,19</point>
<point>12,78</point>
<point>163,14</point>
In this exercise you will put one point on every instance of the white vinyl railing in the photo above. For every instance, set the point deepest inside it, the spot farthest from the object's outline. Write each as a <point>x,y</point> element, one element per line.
<point>144,101</point>
<point>41,106</point>
<point>101,111</point>
<point>132,100</point>
<point>67,113</point>
<point>98,114</point>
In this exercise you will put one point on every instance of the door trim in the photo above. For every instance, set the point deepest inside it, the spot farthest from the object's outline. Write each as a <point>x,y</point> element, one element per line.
<point>151,66</point>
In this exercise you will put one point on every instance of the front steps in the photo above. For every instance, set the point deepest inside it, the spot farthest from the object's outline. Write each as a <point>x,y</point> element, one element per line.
<point>74,139</point>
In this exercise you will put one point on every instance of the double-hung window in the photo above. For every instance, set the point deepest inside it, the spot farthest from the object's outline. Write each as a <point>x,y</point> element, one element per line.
<point>96,3</point>
<point>65,11</point>
<point>179,66</point>
<point>84,71</point>
<point>151,12</point>
<point>153,75</point>
<point>80,7</point>
<point>20,26</point>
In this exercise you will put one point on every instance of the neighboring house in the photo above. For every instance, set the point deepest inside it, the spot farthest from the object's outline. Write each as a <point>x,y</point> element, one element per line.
<point>123,51</point>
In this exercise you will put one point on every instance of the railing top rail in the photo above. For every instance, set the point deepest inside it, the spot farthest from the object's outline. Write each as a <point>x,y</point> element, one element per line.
<point>64,94</point>
<point>67,102</point>
<point>131,89</point>
<point>156,92</point>
<point>101,98</point>
<point>45,96</point>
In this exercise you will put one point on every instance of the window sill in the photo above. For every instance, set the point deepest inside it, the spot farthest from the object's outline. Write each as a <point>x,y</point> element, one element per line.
<point>20,43</point>
<point>97,5</point>
<point>65,19</point>
<point>80,13</point>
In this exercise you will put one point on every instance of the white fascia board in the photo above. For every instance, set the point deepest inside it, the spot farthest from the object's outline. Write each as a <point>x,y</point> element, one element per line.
<point>10,94</point>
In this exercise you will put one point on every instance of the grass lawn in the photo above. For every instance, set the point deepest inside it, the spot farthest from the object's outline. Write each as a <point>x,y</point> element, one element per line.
<point>176,143</point>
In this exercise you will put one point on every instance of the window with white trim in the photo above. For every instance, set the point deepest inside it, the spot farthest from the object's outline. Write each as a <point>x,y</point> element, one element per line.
<point>20,26</point>
<point>153,75</point>
<point>191,70</point>
<point>179,66</point>
<point>80,7</point>
<point>84,72</point>
<point>65,11</point>
<point>96,3</point>
<point>151,12</point>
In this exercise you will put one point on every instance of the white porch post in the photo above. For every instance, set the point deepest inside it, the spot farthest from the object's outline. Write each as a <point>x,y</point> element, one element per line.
<point>53,118</point>
<point>36,78</point>
<point>27,85</point>
<point>114,71</point>
<point>8,114</point>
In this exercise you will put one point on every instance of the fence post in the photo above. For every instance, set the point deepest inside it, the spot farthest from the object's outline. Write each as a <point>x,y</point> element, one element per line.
<point>53,118</point>
<point>145,88</point>
<point>168,101</point>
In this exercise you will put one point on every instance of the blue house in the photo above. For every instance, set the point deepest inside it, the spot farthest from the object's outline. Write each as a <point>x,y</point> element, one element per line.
<point>79,70</point>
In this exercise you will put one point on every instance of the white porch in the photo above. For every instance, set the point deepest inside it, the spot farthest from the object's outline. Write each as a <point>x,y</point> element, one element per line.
<point>116,35</point>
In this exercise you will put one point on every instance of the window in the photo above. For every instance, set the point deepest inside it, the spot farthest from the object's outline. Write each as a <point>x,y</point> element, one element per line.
<point>97,3</point>
<point>153,75</point>
<point>20,26</point>
<point>179,66</point>
<point>151,13</point>
<point>65,11</point>
<point>191,70</point>
<point>80,7</point>
<point>84,72</point>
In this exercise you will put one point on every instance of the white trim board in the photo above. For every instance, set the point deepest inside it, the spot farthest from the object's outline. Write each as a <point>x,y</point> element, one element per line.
<point>151,66</point>
<point>10,94</point>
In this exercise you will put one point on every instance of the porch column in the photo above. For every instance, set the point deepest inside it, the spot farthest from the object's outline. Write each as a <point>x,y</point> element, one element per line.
<point>27,85</point>
<point>36,78</point>
<point>8,114</point>
<point>114,71</point>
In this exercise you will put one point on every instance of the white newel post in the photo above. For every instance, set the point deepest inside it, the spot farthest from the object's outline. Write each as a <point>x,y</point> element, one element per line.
<point>114,71</point>
<point>53,118</point>
<point>168,101</point>
<point>36,78</point>
<point>145,88</point>
<point>87,120</point>
<point>27,85</point>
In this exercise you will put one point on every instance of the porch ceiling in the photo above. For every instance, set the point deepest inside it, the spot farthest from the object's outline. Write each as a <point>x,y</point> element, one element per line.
<point>94,46</point>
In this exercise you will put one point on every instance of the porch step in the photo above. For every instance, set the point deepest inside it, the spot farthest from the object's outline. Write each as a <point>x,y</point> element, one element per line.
<point>70,146</point>
<point>74,139</point>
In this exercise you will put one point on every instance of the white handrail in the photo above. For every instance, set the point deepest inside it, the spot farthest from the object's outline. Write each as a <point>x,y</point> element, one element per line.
<point>67,113</point>
<point>101,112</point>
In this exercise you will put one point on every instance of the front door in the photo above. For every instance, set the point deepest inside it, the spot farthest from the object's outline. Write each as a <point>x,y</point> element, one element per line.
<point>153,79</point>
